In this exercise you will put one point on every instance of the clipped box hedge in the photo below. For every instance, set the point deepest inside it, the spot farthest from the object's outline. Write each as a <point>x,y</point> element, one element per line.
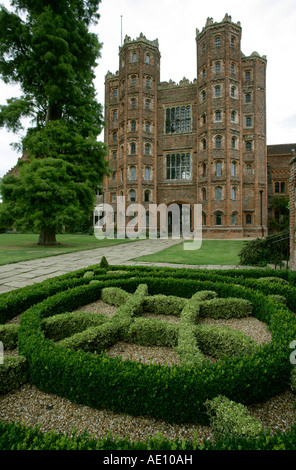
<point>177,393</point>
<point>13,373</point>
<point>219,341</point>
<point>228,418</point>
<point>67,324</point>
<point>9,335</point>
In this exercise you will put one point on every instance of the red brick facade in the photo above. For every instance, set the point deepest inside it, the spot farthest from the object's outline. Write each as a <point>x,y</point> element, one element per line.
<point>292,193</point>
<point>200,142</point>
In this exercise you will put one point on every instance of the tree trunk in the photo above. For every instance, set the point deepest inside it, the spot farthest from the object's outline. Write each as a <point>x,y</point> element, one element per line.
<point>47,237</point>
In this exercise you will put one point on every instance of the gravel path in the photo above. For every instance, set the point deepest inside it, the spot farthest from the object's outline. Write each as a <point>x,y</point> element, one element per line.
<point>34,407</point>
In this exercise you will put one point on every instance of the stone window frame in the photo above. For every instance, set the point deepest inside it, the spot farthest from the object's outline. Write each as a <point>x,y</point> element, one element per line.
<point>218,168</point>
<point>218,142</point>
<point>147,149</point>
<point>178,119</point>
<point>234,218</point>
<point>248,98</point>
<point>248,75</point>
<point>218,115</point>
<point>248,146</point>
<point>132,173</point>
<point>217,41</point>
<point>204,170</point>
<point>249,121</point>
<point>218,218</point>
<point>132,191</point>
<point>204,218</point>
<point>217,91</point>
<point>147,192</point>
<point>249,169</point>
<point>248,219</point>
<point>233,168</point>
<point>178,166</point>
<point>218,66</point>
<point>233,193</point>
<point>133,80</point>
<point>147,173</point>
<point>233,116</point>
<point>281,185</point>
<point>218,193</point>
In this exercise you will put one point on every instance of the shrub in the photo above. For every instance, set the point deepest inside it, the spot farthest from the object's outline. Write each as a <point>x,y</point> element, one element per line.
<point>88,274</point>
<point>152,332</point>
<point>114,296</point>
<point>278,298</point>
<point>164,304</point>
<point>273,279</point>
<point>204,295</point>
<point>230,418</point>
<point>9,335</point>
<point>104,263</point>
<point>13,373</point>
<point>66,324</point>
<point>142,289</point>
<point>93,339</point>
<point>220,341</point>
<point>226,308</point>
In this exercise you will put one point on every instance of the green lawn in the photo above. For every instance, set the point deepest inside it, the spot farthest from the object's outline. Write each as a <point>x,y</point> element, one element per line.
<point>16,247</point>
<point>223,252</point>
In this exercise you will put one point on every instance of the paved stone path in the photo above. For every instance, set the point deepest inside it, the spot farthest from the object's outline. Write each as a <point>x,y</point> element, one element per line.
<point>16,275</point>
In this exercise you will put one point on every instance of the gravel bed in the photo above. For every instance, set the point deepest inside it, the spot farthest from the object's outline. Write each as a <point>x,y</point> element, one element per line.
<point>34,407</point>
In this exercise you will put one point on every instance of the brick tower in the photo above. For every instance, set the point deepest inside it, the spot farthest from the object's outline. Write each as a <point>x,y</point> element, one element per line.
<point>231,151</point>
<point>131,116</point>
<point>200,142</point>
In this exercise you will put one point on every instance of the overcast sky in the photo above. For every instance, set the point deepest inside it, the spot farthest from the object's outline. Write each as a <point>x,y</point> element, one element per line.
<point>268,27</point>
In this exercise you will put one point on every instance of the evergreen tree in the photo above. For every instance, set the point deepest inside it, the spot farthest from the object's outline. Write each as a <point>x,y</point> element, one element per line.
<point>48,49</point>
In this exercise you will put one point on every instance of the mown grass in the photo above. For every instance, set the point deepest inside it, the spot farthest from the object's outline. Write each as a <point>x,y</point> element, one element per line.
<point>15,247</point>
<point>212,252</point>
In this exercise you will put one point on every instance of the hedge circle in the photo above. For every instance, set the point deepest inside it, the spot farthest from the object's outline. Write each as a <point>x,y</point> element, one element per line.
<point>176,393</point>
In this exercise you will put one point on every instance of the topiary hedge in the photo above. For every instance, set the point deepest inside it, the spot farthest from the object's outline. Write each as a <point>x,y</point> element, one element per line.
<point>177,393</point>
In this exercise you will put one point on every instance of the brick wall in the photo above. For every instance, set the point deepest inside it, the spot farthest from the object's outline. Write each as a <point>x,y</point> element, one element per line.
<point>292,192</point>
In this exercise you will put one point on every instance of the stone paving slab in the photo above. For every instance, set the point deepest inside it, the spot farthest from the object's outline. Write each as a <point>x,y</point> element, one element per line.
<point>24,273</point>
<point>16,275</point>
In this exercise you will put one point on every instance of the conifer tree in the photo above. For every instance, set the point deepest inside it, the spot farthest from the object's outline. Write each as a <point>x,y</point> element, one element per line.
<point>48,50</point>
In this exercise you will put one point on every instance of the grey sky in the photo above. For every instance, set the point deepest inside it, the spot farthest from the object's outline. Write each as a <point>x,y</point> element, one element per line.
<point>268,27</point>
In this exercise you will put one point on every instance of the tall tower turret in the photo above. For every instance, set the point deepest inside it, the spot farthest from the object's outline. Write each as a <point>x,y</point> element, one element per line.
<point>131,136</point>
